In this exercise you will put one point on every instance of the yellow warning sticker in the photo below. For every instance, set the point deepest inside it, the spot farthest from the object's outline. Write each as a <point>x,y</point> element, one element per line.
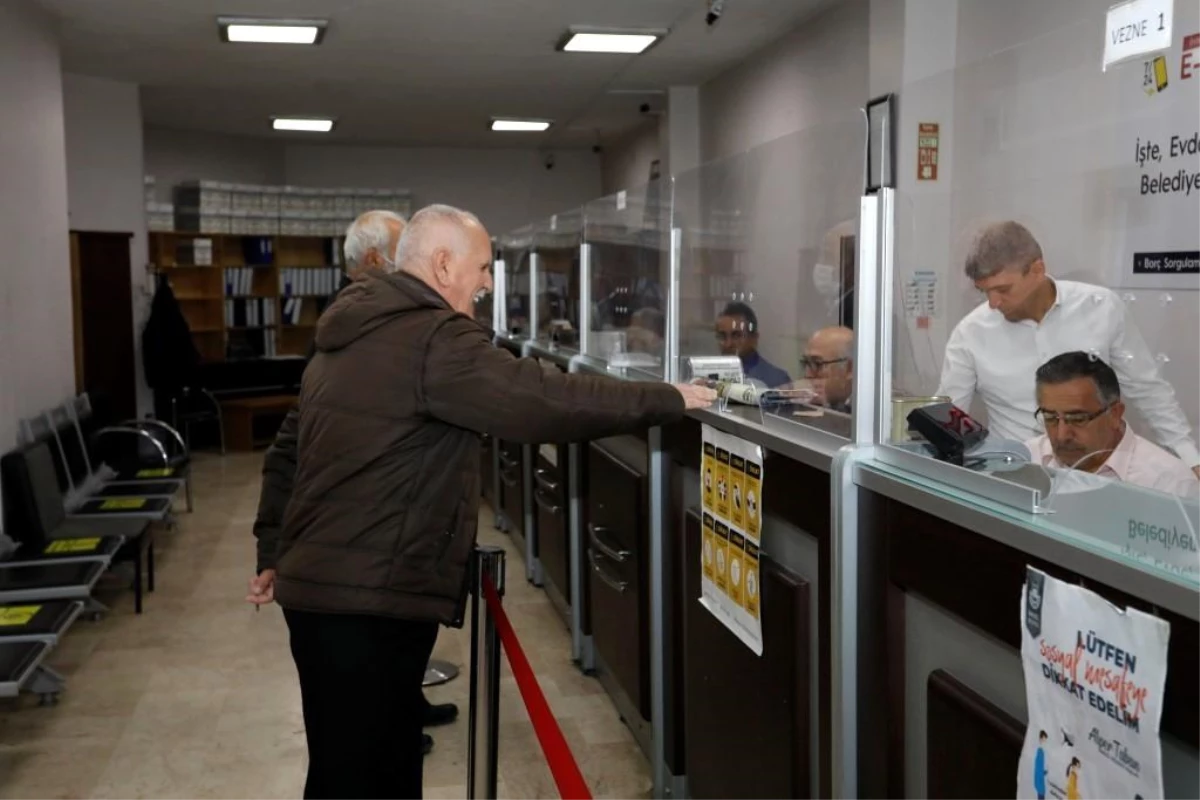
<point>123,504</point>
<point>160,472</point>
<point>85,545</point>
<point>16,616</point>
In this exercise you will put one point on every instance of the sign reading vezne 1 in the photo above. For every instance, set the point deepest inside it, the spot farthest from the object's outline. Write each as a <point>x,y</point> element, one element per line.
<point>1135,28</point>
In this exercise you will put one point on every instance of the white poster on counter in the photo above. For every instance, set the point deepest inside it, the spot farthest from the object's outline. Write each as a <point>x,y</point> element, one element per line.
<point>1094,680</point>
<point>731,484</point>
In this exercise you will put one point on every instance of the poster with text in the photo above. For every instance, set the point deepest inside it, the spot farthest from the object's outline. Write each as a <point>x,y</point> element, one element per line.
<point>731,492</point>
<point>1094,679</point>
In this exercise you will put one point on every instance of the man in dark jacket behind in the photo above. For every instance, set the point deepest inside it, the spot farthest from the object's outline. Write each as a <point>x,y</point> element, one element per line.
<point>376,542</point>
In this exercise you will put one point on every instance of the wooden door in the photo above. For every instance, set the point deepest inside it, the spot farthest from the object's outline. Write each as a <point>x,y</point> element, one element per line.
<point>103,305</point>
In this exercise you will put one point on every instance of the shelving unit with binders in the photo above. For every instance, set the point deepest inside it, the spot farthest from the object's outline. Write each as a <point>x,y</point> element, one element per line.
<point>248,296</point>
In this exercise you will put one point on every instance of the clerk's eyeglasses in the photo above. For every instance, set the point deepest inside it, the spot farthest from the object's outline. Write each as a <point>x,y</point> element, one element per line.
<point>813,364</point>
<point>1072,419</point>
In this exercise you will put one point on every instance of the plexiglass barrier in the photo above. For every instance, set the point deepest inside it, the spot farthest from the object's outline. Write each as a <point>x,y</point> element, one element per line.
<point>767,270</point>
<point>516,248</point>
<point>1047,279</point>
<point>629,241</point>
<point>556,241</point>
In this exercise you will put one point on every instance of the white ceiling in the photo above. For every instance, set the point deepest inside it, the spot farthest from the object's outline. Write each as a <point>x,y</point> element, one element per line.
<point>411,72</point>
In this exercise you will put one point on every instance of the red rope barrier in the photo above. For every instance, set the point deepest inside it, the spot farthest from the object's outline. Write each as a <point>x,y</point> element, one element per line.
<point>567,776</point>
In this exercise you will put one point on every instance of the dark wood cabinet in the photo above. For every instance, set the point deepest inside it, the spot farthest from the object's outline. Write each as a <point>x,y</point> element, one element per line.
<point>550,499</point>
<point>764,698</point>
<point>617,542</point>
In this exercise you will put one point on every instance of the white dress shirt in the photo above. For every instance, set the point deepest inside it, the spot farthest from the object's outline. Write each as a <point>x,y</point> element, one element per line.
<point>997,358</point>
<point>1135,460</point>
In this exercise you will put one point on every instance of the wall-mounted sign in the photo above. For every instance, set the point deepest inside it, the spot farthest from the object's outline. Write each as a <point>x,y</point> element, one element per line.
<point>731,490</point>
<point>1135,28</point>
<point>1189,61</point>
<point>927,151</point>
<point>1094,680</point>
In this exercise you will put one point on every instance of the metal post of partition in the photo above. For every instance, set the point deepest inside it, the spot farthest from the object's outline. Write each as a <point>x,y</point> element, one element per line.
<point>535,268</point>
<point>866,294</point>
<point>585,298</point>
<point>499,296</point>
<point>884,298</point>
<point>582,650</point>
<point>671,356</point>
<point>483,732</point>
<point>533,565</point>
<point>659,572</point>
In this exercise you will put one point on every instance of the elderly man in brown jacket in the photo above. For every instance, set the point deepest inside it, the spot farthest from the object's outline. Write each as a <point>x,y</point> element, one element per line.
<point>378,535</point>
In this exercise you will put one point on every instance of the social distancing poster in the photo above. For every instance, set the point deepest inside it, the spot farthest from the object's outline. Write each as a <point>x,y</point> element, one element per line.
<point>731,491</point>
<point>1094,680</point>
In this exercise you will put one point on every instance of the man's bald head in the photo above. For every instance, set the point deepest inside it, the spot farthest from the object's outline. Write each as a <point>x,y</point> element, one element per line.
<point>371,242</point>
<point>829,363</point>
<point>449,249</point>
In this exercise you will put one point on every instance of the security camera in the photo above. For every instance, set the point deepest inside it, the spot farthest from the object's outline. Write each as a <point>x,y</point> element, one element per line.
<point>715,8</point>
<point>644,108</point>
<point>548,161</point>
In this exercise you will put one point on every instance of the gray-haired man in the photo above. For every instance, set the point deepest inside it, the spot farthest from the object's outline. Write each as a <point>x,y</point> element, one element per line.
<point>1028,319</point>
<point>370,248</point>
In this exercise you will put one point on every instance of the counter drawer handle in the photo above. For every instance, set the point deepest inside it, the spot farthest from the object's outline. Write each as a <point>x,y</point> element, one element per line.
<point>618,586</point>
<point>507,479</point>
<point>546,505</point>
<point>507,462</point>
<point>615,553</point>
<point>543,479</point>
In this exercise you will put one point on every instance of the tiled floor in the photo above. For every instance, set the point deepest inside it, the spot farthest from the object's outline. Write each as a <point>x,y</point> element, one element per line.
<point>198,696</point>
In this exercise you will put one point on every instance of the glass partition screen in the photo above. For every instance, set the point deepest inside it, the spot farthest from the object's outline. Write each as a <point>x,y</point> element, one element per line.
<point>630,247</point>
<point>767,269</point>
<point>1047,275</point>
<point>556,242</point>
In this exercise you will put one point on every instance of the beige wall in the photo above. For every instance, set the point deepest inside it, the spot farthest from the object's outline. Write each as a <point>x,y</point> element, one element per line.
<point>626,161</point>
<point>506,187</point>
<point>103,121</point>
<point>37,362</point>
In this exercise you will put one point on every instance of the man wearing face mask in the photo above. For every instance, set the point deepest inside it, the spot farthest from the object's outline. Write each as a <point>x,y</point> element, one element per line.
<point>1080,409</point>
<point>370,248</point>
<point>1028,319</point>
<point>737,335</point>
<point>377,540</point>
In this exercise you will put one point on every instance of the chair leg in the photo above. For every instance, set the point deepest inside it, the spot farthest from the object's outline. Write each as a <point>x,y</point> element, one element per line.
<point>187,488</point>
<point>150,567</point>
<point>137,581</point>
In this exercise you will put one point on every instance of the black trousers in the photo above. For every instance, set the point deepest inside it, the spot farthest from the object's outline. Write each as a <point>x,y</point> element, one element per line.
<point>360,680</point>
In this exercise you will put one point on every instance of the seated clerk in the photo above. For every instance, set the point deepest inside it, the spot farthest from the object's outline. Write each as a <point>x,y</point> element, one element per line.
<point>1080,409</point>
<point>828,362</point>
<point>737,334</point>
<point>1028,318</point>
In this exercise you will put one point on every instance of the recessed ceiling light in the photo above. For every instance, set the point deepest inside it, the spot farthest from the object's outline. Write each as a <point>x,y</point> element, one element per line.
<point>520,124</point>
<point>309,124</point>
<point>271,31</point>
<point>581,40</point>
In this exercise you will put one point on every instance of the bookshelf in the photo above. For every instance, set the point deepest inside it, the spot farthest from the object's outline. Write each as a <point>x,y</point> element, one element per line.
<point>245,296</point>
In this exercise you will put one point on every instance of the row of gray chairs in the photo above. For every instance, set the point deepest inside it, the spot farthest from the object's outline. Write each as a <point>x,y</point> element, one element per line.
<point>68,516</point>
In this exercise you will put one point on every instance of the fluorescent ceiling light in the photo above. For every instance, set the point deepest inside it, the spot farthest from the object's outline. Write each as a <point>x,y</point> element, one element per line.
<point>311,124</point>
<point>520,124</point>
<point>584,41</point>
<point>272,31</point>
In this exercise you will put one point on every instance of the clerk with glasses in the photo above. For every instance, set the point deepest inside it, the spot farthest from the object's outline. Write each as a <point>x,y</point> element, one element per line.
<point>828,363</point>
<point>1027,319</point>
<point>1080,410</point>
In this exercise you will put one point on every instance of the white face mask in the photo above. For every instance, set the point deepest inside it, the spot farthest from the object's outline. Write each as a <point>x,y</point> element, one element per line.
<point>825,279</point>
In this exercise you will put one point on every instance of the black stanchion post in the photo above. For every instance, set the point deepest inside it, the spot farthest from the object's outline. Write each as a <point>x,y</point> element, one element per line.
<point>484,705</point>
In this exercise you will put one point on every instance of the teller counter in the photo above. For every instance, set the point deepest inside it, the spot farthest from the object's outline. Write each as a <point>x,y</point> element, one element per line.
<point>941,693</point>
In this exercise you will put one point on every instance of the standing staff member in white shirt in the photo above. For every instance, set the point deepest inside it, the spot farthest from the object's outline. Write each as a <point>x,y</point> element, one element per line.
<point>1028,319</point>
